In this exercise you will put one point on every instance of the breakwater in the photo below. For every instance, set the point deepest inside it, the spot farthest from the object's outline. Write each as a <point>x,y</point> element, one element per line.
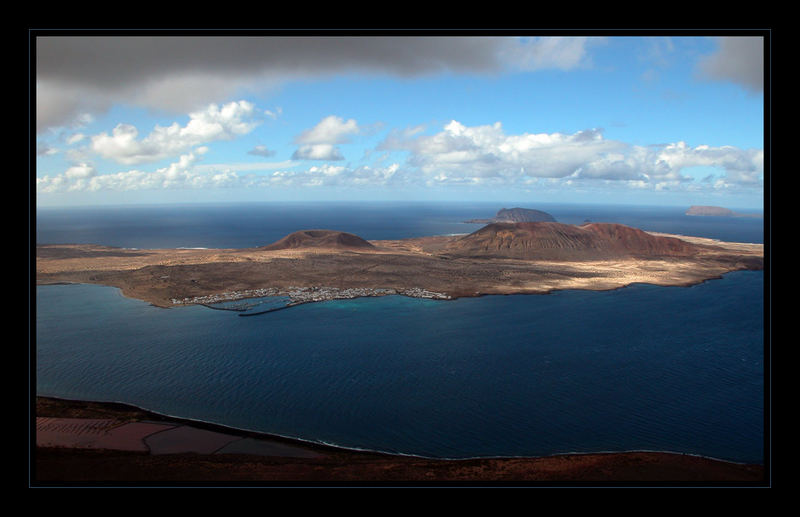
<point>273,309</point>
<point>234,309</point>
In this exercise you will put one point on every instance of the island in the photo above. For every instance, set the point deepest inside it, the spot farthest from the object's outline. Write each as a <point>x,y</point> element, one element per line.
<point>318,265</point>
<point>516,215</point>
<point>717,211</point>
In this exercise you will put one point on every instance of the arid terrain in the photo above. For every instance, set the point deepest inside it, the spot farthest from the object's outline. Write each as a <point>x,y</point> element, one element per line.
<point>329,466</point>
<point>500,258</point>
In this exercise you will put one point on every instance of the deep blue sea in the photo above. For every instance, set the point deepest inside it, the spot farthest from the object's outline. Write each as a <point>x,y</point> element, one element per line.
<point>640,368</point>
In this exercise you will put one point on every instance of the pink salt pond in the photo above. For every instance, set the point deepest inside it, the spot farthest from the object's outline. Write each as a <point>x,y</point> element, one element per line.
<point>154,437</point>
<point>95,433</point>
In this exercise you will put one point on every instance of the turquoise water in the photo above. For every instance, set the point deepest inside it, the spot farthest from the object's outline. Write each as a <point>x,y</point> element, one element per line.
<point>639,368</point>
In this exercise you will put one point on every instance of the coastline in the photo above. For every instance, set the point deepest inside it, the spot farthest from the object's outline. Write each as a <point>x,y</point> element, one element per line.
<point>55,465</point>
<point>411,267</point>
<point>206,301</point>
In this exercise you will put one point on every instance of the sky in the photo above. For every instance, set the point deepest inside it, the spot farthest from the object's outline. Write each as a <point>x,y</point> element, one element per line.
<point>171,118</point>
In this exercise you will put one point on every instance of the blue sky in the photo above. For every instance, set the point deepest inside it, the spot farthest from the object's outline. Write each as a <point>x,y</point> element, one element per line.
<point>629,119</point>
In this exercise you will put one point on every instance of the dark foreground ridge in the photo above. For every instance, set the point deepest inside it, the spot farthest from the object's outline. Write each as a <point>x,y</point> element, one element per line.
<point>302,463</point>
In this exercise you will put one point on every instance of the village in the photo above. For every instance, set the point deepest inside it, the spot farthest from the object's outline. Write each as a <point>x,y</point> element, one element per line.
<point>298,295</point>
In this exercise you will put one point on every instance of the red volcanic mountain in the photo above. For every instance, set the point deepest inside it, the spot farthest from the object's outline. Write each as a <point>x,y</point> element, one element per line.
<point>558,241</point>
<point>320,239</point>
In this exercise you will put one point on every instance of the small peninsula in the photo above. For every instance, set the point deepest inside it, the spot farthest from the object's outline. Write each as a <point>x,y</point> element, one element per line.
<point>317,265</point>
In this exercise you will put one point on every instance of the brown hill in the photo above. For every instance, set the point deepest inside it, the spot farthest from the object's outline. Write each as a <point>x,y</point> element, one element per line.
<point>558,241</point>
<point>320,239</point>
<point>640,243</point>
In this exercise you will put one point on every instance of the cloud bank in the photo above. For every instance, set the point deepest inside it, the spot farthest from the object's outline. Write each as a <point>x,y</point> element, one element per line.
<point>76,75</point>
<point>485,154</point>
<point>455,155</point>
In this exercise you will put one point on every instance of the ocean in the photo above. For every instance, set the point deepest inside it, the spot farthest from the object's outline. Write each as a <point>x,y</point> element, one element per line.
<point>639,368</point>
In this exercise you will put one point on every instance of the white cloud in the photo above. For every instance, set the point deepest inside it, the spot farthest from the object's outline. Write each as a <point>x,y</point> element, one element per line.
<point>185,173</point>
<point>84,177</point>
<point>80,171</point>
<point>213,123</point>
<point>319,142</point>
<point>486,155</point>
<point>456,155</point>
<point>740,165</point>
<point>74,139</point>
<point>459,152</point>
<point>317,152</point>
<point>327,170</point>
<point>330,130</point>
<point>274,114</point>
<point>335,176</point>
<point>261,150</point>
<point>549,52</point>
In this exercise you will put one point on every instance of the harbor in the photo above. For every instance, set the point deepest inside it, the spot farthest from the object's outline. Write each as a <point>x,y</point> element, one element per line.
<point>300,295</point>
